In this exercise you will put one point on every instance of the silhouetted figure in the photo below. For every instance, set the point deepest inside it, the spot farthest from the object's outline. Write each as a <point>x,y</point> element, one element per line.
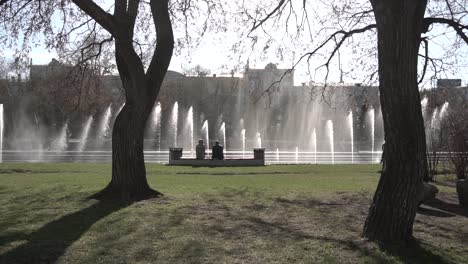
<point>200,150</point>
<point>217,152</point>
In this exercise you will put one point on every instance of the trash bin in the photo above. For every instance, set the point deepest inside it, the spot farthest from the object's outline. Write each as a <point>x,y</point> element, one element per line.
<point>259,153</point>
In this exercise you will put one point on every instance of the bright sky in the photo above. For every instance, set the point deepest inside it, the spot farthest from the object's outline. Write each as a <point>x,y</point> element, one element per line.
<point>213,51</point>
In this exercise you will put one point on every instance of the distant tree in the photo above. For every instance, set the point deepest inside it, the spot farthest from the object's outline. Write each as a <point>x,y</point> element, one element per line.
<point>197,70</point>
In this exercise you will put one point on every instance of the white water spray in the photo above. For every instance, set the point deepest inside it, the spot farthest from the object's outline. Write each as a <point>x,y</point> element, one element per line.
<point>222,130</point>
<point>104,126</point>
<point>174,119</point>
<point>85,133</point>
<point>60,144</point>
<point>205,129</point>
<point>424,107</point>
<point>258,139</point>
<point>277,155</point>
<point>190,127</point>
<point>372,126</point>
<point>314,141</point>
<point>331,139</point>
<point>351,134</point>
<point>156,124</point>
<point>297,155</point>
<point>243,142</point>
<point>443,111</point>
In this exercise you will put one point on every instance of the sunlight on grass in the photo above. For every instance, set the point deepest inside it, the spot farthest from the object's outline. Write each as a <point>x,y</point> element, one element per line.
<point>272,214</point>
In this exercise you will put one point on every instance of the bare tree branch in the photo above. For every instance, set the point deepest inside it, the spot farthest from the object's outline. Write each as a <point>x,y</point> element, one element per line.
<point>104,19</point>
<point>454,24</point>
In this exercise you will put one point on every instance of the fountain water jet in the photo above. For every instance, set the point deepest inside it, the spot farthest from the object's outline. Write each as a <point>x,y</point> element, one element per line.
<point>372,125</point>
<point>190,127</point>
<point>60,144</point>
<point>434,120</point>
<point>205,129</point>
<point>222,130</point>
<point>351,134</point>
<point>424,107</point>
<point>174,119</point>
<point>104,127</point>
<point>314,140</point>
<point>258,139</point>
<point>243,142</point>
<point>443,111</point>
<point>297,154</point>
<point>330,137</point>
<point>156,125</point>
<point>85,133</point>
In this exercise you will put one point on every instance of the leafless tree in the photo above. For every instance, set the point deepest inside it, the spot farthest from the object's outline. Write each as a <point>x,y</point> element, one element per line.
<point>401,30</point>
<point>141,36</point>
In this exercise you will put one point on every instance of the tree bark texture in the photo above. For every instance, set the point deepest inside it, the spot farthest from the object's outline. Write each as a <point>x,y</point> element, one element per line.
<point>393,209</point>
<point>129,180</point>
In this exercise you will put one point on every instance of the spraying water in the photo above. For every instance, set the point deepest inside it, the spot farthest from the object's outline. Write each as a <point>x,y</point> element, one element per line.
<point>424,107</point>
<point>174,119</point>
<point>314,141</point>
<point>1,132</point>
<point>222,130</point>
<point>205,129</point>
<point>190,127</point>
<point>243,142</point>
<point>434,119</point>
<point>372,126</point>
<point>156,126</point>
<point>85,133</point>
<point>330,137</point>
<point>120,108</point>
<point>258,139</point>
<point>277,155</point>
<point>104,126</point>
<point>351,134</point>
<point>297,155</point>
<point>60,144</point>
<point>443,111</point>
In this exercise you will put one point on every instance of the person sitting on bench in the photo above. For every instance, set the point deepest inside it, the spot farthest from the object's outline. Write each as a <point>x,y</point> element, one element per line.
<point>200,150</point>
<point>217,152</point>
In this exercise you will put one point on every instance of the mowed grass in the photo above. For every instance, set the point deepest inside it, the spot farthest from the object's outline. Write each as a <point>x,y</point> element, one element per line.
<point>272,214</point>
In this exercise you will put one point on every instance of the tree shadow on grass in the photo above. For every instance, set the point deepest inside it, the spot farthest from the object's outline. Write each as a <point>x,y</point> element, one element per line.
<point>432,212</point>
<point>448,207</point>
<point>414,252</point>
<point>48,244</point>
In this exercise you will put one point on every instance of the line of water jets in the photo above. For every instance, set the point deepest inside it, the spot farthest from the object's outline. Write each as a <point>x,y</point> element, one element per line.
<point>104,128</point>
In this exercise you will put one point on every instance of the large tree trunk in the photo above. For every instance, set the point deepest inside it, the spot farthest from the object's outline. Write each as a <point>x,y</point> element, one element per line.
<point>141,90</point>
<point>392,212</point>
<point>128,165</point>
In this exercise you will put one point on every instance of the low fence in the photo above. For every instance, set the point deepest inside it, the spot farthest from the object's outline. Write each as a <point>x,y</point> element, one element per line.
<point>154,156</point>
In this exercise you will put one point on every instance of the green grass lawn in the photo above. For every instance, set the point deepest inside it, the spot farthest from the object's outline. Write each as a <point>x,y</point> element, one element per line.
<point>272,214</point>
